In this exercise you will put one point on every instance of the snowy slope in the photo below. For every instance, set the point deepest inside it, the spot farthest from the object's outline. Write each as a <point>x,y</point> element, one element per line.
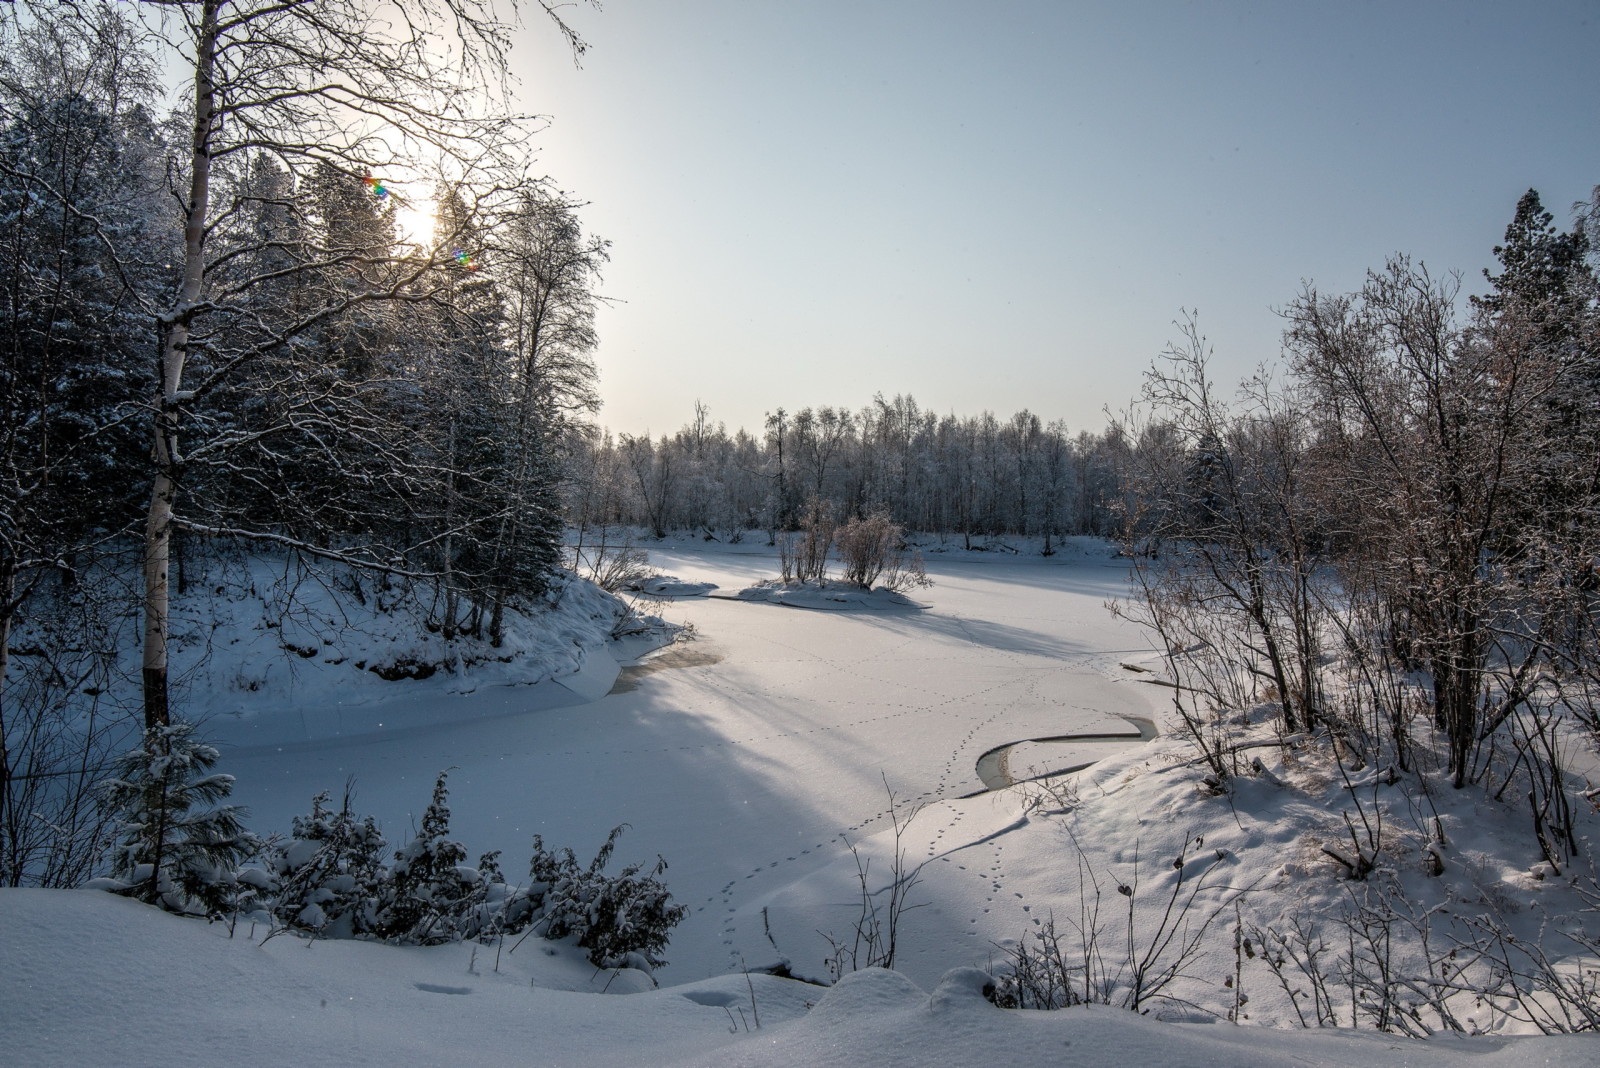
<point>750,767</point>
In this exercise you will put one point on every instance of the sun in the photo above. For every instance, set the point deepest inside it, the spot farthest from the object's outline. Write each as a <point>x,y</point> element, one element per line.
<point>415,221</point>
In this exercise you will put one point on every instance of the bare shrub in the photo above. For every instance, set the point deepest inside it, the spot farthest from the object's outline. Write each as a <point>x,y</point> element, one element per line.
<point>803,556</point>
<point>614,566</point>
<point>875,935</point>
<point>817,529</point>
<point>64,717</point>
<point>1556,994</point>
<point>1128,964</point>
<point>1393,966</point>
<point>874,547</point>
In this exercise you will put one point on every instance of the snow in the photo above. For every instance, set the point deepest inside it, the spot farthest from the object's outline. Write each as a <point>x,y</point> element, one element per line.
<point>828,597</point>
<point>669,586</point>
<point>753,758</point>
<point>90,978</point>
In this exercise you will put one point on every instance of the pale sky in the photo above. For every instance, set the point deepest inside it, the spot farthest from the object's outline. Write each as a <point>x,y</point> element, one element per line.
<point>1005,205</point>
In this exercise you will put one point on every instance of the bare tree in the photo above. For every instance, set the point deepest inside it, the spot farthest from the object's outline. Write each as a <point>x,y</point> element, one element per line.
<point>1426,430</point>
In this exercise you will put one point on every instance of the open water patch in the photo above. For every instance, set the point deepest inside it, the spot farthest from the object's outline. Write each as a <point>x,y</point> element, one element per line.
<point>1058,754</point>
<point>683,655</point>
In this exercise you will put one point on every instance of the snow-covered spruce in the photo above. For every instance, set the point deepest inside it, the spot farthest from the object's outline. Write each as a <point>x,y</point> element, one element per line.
<point>328,877</point>
<point>171,849</point>
<point>618,919</point>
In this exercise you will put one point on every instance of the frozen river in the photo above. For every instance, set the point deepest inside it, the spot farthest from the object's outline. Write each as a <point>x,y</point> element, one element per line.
<point>747,757</point>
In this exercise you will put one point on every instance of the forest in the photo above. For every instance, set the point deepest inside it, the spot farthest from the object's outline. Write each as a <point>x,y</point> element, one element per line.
<point>218,340</point>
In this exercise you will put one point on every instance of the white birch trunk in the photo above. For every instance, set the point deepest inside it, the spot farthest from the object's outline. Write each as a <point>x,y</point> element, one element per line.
<point>174,350</point>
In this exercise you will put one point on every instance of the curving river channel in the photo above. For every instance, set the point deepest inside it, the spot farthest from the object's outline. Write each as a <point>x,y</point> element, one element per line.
<point>1061,754</point>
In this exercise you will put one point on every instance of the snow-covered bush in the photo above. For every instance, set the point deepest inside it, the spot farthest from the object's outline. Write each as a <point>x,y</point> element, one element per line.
<point>171,850</point>
<point>430,886</point>
<point>615,917</point>
<point>328,876</point>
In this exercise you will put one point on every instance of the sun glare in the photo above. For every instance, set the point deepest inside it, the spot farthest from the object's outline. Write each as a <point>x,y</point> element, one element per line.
<point>415,221</point>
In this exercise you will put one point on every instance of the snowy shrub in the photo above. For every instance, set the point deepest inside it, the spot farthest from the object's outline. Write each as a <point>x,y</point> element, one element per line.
<point>328,876</point>
<point>430,887</point>
<point>873,548</point>
<point>803,557</point>
<point>170,849</point>
<point>491,907</point>
<point>614,917</point>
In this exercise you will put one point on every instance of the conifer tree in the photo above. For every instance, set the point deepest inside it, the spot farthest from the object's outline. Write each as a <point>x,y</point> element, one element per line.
<point>172,849</point>
<point>428,890</point>
<point>330,873</point>
<point>1544,275</point>
<point>1543,321</point>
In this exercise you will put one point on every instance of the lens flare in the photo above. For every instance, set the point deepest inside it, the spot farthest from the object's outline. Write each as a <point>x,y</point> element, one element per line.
<point>466,259</point>
<point>376,187</point>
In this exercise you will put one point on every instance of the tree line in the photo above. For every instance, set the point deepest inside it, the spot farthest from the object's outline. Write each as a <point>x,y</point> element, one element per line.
<point>966,477</point>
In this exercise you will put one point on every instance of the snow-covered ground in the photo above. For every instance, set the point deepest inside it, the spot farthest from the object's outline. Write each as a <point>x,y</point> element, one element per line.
<point>88,978</point>
<point>752,758</point>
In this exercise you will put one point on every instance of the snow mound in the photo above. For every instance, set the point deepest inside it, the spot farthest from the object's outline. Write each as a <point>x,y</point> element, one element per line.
<point>828,597</point>
<point>669,586</point>
<point>881,1018</point>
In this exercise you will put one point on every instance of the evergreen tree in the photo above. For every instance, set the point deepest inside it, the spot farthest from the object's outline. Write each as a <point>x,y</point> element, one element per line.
<point>466,406</point>
<point>1545,274</point>
<point>614,917</point>
<point>1542,321</point>
<point>429,888</point>
<point>172,850</point>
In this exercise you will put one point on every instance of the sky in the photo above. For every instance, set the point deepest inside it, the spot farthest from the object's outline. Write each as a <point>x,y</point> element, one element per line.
<point>1008,205</point>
